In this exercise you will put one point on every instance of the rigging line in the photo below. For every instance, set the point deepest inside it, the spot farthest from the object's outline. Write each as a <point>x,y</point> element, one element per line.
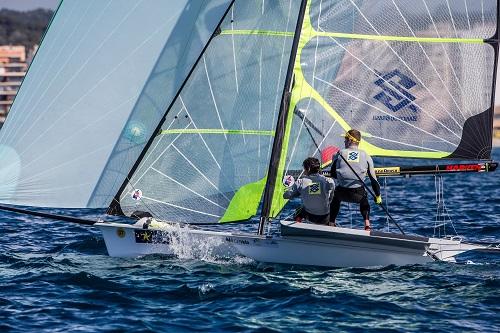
<point>452,20</point>
<point>308,126</point>
<point>234,51</point>
<point>243,132</point>
<point>29,104</point>
<point>129,184</point>
<point>389,38</point>
<point>114,206</point>
<point>371,193</point>
<point>380,77</point>
<point>306,123</point>
<point>408,67</point>
<point>76,73</point>
<point>151,153</point>
<point>115,181</point>
<point>343,35</point>
<point>201,173</point>
<point>66,162</point>
<point>433,67</point>
<point>377,108</point>
<point>404,143</point>
<point>447,212</point>
<point>201,136</point>
<point>482,12</point>
<point>213,97</point>
<point>467,13</point>
<point>143,162</point>
<point>138,48</point>
<point>296,139</point>
<point>26,85</point>
<point>260,101</point>
<point>322,141</point>
<point>411,71</point>
<point>152,163</point>
<point>87,125</point>
<point>447,56</point>
<point>257,32</point>
<point>444,49</point>
<point>180,207</point>
<point>187,188</point>
<point>276,163</point>
<point>296,111</point>
<point>64,218</point>
<point>33,192</point>
<point>387,203</point>
<point>217,131</point>
<point>278,83</point>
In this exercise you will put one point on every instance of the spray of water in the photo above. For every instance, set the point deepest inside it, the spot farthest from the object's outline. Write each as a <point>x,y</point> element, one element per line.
<point>187,245</point>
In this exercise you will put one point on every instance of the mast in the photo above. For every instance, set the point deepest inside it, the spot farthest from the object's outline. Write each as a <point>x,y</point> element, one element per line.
<point>114,207</point>
<point>281,124</point>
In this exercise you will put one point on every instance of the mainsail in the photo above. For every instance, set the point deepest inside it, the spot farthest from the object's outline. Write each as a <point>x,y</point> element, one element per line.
<point>415,77</point>
<point>99,84</point>
<point>208,162</point>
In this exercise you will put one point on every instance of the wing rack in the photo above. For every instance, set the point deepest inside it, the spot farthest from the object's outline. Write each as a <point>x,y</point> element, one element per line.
<point>423,170</point>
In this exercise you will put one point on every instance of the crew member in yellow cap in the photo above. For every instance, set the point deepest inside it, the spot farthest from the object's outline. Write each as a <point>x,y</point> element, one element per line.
<point>349,186</point>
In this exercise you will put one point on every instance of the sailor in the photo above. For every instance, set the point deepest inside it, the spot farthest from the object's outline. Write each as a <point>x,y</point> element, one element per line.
<point>314,189</point>
<point>349,186</point>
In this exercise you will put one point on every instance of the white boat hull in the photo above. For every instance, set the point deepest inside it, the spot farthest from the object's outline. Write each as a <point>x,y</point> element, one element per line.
<point>331,247</point>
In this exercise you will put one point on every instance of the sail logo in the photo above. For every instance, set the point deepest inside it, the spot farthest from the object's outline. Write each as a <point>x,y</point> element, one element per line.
<point>464,167</point>
<point>314,188</point>
<point>395,94</point>
<point>353,156</point>
<point>387,171</point>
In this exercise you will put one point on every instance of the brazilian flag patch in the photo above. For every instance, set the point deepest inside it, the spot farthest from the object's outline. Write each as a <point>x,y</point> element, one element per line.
<point>151,237</point>
<point>314,188</point>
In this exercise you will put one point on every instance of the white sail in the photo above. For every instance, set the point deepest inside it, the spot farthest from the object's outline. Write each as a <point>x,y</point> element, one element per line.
<point>101,80</point>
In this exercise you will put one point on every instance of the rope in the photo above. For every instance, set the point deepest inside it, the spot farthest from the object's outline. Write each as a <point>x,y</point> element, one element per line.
<point>372,194</point>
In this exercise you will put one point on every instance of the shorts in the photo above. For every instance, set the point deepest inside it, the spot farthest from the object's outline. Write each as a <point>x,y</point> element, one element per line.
<point>317,219</point>
<point>354,195</point>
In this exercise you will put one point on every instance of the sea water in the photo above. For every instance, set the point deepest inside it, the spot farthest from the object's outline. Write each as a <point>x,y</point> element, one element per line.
<point>57,277</point>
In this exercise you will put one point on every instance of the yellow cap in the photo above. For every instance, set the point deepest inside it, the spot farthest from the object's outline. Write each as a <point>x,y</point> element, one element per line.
<point>350,136</point>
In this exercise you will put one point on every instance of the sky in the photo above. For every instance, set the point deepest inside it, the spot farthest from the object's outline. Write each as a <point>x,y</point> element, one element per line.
<point>28,4</point>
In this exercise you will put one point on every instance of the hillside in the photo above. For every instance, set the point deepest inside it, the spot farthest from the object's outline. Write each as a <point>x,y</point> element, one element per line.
<point>23,28</point>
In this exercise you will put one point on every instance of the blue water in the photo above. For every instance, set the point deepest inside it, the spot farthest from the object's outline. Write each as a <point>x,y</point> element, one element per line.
<point>57,277</point>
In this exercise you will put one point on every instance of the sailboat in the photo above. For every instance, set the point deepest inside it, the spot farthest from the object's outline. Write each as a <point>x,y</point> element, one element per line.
<point>188,113</point>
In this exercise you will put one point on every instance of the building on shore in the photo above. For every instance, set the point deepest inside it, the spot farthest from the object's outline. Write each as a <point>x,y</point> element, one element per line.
<point>13,67</point>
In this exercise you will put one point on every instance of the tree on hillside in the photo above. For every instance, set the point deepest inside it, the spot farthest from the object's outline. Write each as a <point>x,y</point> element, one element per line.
<point>23,28</point>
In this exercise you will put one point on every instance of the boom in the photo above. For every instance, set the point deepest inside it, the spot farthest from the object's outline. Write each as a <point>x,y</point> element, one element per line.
<point>423,170</point>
